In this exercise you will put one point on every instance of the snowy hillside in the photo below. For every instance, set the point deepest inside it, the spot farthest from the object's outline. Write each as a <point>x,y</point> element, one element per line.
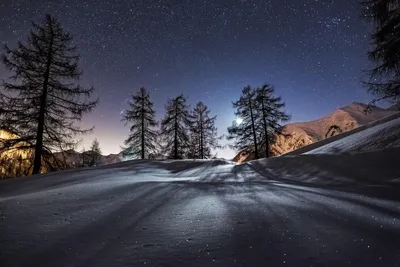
<point>378,134</point>
<point>282,211</point>
<point>381,136</point>
<point>313,166</point>
<point>206,213</point>
<point>302,210</point>
<point>298,135</point>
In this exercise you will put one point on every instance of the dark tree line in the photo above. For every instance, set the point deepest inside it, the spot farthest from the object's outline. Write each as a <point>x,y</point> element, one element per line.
<point>261,115</point>
<point>384,82</point>
<point>42,103</point>
<point>183,133</point>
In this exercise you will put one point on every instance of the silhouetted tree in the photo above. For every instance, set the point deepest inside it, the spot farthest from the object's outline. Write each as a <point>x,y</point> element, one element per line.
<point>83,155</point>
<point>142,140</point>
<point>203,136</point>
<point>175,128</point>
<point>245,133</point>
<point>42,101</point>
<point>384,80</point>
<point>269,115</point>
<point>95,153</point>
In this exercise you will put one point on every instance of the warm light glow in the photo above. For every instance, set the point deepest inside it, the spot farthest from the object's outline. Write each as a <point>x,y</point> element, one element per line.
<point>239,121</point>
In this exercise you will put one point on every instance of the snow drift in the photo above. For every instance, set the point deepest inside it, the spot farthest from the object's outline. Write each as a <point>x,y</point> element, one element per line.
<point>267,212</point>
<point>378,131</point>
<point>367,156</point>
<point>297,136</point>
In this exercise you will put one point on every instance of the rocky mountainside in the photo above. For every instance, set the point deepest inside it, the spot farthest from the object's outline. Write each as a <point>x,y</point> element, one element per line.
<point>297,135</point>
<point>76,159</point>
<point>395,107</point>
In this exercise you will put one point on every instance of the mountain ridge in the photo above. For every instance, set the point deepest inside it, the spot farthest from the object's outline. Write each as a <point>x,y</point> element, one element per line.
<point>300,134</point>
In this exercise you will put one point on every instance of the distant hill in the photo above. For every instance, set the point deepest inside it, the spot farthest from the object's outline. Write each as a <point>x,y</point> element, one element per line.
<point>297,135</point>
<point>395,107</point>
<point>76,159</point>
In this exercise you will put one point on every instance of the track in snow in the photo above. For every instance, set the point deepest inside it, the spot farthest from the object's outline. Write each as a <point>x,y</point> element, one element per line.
<point>216,215</point>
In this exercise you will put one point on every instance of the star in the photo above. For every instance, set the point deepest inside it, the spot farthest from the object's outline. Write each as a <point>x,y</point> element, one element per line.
<point>313,52</point>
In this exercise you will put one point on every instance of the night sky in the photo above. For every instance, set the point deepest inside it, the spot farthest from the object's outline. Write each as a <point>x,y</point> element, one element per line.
<point>312,51</point>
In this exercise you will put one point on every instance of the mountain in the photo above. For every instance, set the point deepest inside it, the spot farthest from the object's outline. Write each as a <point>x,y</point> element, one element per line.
<point>297,135</point>
<point>395,107</point>
<point>76,159</point>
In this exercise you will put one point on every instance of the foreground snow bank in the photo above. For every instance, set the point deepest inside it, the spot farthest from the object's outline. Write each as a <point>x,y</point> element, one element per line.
<point>381,136</point>
<point>385,130</point>
<point>367,168</point>
<point>99,178</point>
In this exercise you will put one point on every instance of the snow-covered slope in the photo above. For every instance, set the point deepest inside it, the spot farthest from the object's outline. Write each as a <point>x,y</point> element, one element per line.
<point>301,210</point>
<point>299,135</point>
<point>207,213</point>
<point>379,166</point>
<point>369,168</point>
<point>381,136</point>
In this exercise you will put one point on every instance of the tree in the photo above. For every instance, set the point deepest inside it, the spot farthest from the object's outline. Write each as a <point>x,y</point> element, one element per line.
<point>203,132</point>
<point>142,141</point>
<point>95,153</point>
<point>269,115</point>
<point>42,101</point>
<point>245,131</point>
<point>83,154</point>
<point>175,128</point>
<point>384,80</point>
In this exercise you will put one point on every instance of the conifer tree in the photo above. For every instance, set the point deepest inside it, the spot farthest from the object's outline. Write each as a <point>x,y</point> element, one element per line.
<point>269,116</point>
<point>42,101</point>
<point>95,153</point>
<point>193,151</point>
<point>83,155</point>
<point>203,132</point>
<point>384,80</point>
<point>142,141</point>
<point>175,128</point>
<point>245,132</point>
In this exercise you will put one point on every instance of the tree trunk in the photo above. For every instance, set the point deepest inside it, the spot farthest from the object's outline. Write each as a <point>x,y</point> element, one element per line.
<point>176,135</point>
<point>201,137</point>
<point>37,162</point>
<point>256,156</point>
<point>265,131</point>
<point>142,152</point>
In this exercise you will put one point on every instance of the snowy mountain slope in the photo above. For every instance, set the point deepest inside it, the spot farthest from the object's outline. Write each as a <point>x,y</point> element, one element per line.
<point>395,107</point>
<point>300,210</point>
<point>365,132</point>
<point>298,135</point>
<point>381,136</point>
<point>206,213</point>
<point>382,165</point>
<point>370,168</point>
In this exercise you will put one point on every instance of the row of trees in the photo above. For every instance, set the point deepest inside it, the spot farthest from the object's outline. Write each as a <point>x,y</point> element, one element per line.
<point>186,133</point>
<point>183,133</point>
<point>260,115</point>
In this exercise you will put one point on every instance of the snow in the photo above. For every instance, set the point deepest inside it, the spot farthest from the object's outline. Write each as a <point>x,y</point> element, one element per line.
<point>385,135</point>
<point>327,141</point>
<point>305,210</point>
<point>380,167</point>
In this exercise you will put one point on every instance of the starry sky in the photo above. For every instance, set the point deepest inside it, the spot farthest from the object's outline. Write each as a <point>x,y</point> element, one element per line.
<point>312,51</point>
